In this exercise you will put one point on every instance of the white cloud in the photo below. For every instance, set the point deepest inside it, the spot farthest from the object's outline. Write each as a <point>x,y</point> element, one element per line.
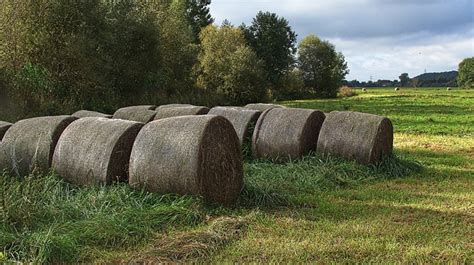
<point>387,58</point>
<point>380,38</point>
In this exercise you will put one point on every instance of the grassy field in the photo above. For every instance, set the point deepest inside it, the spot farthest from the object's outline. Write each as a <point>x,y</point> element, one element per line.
<point>416,207</point>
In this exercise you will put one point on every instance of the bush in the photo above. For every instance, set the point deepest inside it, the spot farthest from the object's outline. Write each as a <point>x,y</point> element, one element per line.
<point>346,91</point>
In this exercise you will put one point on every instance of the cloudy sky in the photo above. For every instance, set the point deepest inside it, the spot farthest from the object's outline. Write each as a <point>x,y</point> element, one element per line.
<point>379,38</point>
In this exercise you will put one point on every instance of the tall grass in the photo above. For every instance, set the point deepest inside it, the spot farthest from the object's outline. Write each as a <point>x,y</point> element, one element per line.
<point>269,184</point>
<point>47,220</point>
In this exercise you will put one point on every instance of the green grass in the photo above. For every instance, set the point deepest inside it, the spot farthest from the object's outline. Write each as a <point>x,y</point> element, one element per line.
<point>413,207</point>
<point>433,111</point>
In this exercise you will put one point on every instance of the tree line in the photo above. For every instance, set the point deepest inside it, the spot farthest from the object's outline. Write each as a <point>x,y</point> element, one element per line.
<point>463,78</point>
<point>59,56</point>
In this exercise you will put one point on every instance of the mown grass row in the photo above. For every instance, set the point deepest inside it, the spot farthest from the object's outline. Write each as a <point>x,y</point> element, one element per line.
<point>45,219</point>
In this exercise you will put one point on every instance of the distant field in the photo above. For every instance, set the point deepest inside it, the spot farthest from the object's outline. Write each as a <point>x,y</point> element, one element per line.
<point>433,111</point>
<point>417,207</point>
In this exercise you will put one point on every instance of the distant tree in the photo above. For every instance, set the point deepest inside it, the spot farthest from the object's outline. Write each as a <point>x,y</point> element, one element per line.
<point>415,82</point>
<point>226,23</point>
<point>228,67</point>
<point>466,73</point>
<point>274,41</point>
<point>404,79</point>
<point>198,15</point>
<point>322,67</point>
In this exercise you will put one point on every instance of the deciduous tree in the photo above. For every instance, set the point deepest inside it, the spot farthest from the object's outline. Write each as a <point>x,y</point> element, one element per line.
<point>404,79</point>
<point>228,67</point>
<point>322,67</point>
<point>274,41</point>
<point>466,73</point>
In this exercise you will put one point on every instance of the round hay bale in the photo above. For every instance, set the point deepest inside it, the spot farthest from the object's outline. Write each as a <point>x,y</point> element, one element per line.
<point>363,137</point>
<point>162,113</point>
<point>448,89</point>
<point>364,89</point>
<point>87,113</point>
<point>29,144</point>
<point>396,89</point>
<point>143,114</point>
<point>4,126</point>
<point>175,105</point>
<point>286,133</point>
<point>241,119</point>
<point>94,151</point>
<point>198,155</point>
<point>262,106</point>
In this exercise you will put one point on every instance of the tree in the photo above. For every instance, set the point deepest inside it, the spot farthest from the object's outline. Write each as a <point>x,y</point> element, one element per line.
<point>274,41</point>
<point>466,73</point>
<point>323,68</point>
<point>404,79</point>
<point>71,55</point>
<point>177,48</point>
<point>198,15</point>
<point>228,67</point>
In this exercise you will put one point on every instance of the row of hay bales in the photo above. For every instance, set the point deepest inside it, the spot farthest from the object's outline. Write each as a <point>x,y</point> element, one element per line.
<point>185,149</point>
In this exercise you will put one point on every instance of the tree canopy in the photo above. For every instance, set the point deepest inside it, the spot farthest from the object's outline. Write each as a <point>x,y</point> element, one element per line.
<point>227,66</point>
<point>466,73</point>
<point>198,15</point>
<point>323,69</point>
<point>274,41</point>
<point>60,56</point>
<point>404,79</point>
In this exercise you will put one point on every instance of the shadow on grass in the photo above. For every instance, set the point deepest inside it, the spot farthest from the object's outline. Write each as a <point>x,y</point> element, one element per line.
<point>368,225</point>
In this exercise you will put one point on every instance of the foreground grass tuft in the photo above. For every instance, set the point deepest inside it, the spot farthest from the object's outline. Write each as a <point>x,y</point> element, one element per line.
<point>193,245</point>
<point>47,220</point>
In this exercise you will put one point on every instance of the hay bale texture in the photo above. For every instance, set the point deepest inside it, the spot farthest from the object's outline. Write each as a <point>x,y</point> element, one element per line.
<point>29,144</point>
<point>167,112</point>
<point>143,114</point>
<point>286,133</point>
<point>197,155</point>
<point>95,151</point>
<point>175,105</point>
<point>363,137</point>
<point>4,126</point>
<point>262,106</point>
<point>241,118</point>
<point>87,113</point>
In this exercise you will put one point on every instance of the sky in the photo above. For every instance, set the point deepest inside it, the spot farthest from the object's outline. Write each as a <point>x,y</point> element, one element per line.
<point>380,39</point>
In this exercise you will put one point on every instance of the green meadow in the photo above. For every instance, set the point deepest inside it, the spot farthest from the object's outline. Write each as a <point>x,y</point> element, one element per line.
<point>417,206</point>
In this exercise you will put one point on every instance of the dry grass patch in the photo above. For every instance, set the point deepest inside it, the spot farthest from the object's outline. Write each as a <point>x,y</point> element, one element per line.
<point>195,244</point>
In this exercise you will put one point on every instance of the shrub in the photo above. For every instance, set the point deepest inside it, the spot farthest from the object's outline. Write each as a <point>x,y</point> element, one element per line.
<point>346,91</point>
